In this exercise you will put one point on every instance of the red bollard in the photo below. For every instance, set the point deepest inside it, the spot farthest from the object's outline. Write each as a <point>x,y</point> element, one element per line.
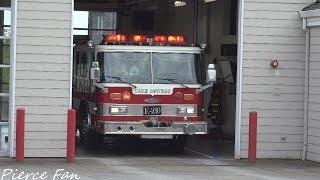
<point>71,135</point>
<point>20,126</point>
<point>252,149</point>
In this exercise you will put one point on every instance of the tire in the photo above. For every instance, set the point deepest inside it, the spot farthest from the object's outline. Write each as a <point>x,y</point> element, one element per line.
<point>91,139</point>
<point>178,144</point>
<point>82,120</point>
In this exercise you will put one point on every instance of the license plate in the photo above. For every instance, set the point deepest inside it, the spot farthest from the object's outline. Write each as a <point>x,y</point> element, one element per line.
<point>152,110</point>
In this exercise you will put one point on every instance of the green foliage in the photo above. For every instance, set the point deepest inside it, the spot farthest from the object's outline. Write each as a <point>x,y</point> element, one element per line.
<point>5,72</point>
<point>4,79</point>
<point>6,55</point>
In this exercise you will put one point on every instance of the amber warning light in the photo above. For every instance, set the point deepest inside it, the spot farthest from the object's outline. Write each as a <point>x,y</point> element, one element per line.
<point>125,96</point>
<point>116,38</point>
<point>139,38</point>
<point>160,39</point>
<point>169,39</point>
<point>176,39</point>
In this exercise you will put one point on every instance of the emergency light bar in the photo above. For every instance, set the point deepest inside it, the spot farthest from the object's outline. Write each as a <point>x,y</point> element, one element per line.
<point>158,39</point>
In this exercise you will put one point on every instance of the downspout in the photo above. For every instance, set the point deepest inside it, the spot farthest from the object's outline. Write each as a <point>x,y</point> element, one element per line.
<point>306,91</point>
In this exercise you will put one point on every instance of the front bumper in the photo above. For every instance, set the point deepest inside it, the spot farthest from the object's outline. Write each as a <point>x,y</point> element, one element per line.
<point>139,128</point>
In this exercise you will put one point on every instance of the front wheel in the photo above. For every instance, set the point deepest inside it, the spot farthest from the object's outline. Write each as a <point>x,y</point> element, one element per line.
<point>91,138</point>
<point>178,144</point>
<point>88,134</point>
<point>83,121</point>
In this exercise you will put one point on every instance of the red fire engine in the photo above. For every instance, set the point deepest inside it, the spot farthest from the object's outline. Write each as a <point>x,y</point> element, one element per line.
<point>145,87</point>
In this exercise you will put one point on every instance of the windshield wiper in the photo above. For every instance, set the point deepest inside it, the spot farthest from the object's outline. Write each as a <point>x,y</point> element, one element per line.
<point>173,81</point>
<point>118,78</point>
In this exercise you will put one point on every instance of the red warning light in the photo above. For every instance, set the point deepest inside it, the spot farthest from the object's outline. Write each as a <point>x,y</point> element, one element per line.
<point>160,39</point>
<point>274,63</point>
<point>181,39</point>
<point>116,38</point>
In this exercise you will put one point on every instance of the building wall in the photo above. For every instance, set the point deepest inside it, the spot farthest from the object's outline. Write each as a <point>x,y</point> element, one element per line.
<point>313,149</point>
<point>272,30</point>
<point>43,73</point>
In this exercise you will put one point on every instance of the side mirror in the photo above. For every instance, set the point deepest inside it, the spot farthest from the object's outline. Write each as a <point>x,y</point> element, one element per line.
<point>95,72</point>
<point>211,74</point>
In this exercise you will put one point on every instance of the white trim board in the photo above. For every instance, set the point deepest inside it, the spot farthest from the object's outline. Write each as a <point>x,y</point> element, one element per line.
<point>5,8</point>
<point>239,81</point>
<point>310,13</point>
<point>313,21</point>
<point>71,55</point>
<point>4,37</point>
<point>12,75</point>
<point>311,18</point>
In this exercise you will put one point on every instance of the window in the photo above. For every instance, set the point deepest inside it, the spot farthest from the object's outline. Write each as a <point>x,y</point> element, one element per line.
<point>5,3</point>
<point>83,69</point>
<point>80,22</point>
<point>179,68</point>
<point>230,20</point>
<point>94,24</point>
<point>233,17</point>
<point>5,36</point>
<point>5,48</point>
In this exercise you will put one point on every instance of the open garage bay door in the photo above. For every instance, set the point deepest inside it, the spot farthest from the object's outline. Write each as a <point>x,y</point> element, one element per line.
<point>211,22</point>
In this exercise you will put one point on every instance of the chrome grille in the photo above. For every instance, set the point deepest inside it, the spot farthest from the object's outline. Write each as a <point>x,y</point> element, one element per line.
<point>137,109</point>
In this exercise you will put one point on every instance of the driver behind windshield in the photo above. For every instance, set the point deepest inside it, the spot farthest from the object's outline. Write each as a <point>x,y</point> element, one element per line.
<point>130,67</point>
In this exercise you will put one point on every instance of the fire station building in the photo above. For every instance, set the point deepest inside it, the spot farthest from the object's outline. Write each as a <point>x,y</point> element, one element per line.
<point>267,53</point>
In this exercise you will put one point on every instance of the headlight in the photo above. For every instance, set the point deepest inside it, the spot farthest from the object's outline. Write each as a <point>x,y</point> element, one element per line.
<point>182,110</point>
<point>118,110</point>
<point>190,110</point>
<point>186,110</point>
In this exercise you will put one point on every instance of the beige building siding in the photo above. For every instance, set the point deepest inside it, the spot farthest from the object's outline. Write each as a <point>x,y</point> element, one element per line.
<point>43,73</point>
<point>272,30</point>
<point>313,149</point>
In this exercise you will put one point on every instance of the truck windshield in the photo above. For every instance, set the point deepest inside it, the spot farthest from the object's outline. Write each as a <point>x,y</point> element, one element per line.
<point>147,68</point>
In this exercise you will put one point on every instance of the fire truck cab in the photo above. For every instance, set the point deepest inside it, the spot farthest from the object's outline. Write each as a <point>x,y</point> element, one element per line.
<point>149,89</point>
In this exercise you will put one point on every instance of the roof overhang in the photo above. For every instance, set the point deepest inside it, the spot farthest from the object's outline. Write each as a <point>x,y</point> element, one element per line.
<point>311,15</point>
<point>311,18</point>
